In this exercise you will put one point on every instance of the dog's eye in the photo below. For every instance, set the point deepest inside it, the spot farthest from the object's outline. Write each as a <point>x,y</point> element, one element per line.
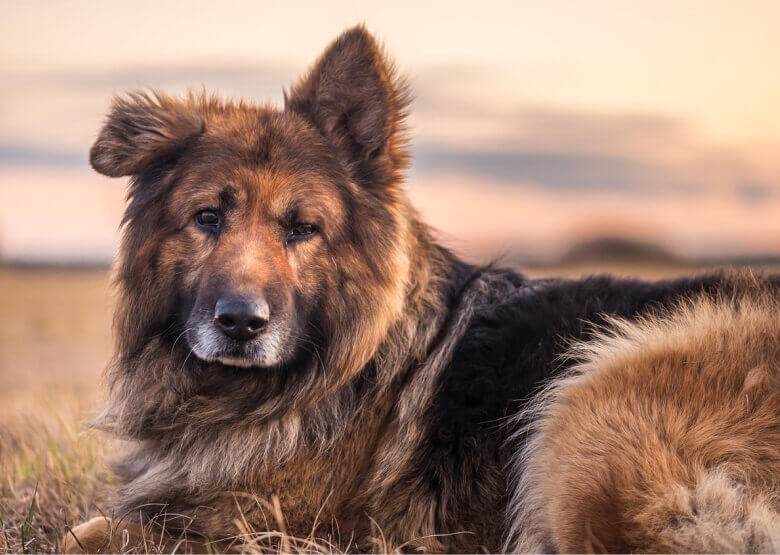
<point>208,220</point>
<point>301,231</point>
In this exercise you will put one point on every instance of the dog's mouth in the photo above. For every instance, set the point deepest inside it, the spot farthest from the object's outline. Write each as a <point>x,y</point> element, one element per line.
<point>265,351</point>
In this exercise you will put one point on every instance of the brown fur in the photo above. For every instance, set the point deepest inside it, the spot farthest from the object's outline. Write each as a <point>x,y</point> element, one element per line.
<point>361,405</point>
<point>336,154</point>
<point>665,437</point>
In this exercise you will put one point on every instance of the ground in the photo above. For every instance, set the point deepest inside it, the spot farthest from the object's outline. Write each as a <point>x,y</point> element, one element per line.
<point>55,342</point>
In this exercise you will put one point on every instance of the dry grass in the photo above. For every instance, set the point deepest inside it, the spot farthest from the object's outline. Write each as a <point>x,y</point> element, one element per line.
<point>54,344</point>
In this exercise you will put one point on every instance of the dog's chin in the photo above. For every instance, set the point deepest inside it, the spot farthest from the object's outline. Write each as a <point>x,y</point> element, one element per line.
<point>244,362</point>
<point>238,360</point>
<point>264,352</point>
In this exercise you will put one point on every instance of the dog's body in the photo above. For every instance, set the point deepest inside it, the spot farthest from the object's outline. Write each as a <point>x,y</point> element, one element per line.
<point>368,378</point>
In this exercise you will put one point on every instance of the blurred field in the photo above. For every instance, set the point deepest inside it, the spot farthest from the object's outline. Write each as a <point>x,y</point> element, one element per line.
<point>55,342</point>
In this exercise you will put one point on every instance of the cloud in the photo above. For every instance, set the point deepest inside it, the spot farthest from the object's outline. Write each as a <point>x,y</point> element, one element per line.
<point>552,170</point>
<point>11,155</point>
<point>570,148</point>
<point>64,110</point>
<point>461,122</point>
<point>255,80</point>
<point>707,174</point>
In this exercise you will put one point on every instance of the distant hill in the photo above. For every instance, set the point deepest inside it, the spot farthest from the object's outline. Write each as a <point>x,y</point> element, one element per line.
<point>618,249</point>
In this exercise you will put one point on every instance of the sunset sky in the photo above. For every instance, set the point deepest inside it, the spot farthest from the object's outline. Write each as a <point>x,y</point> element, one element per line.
<point>535,124</point>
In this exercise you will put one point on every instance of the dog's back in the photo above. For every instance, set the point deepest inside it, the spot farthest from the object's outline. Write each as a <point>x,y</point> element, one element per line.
<point>663,439</point>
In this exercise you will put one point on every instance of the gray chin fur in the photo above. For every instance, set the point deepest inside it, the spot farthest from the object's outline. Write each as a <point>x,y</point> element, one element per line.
<point>208,345</point>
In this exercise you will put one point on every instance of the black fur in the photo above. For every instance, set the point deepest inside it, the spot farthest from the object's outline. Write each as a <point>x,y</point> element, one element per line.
<point>511,348</point>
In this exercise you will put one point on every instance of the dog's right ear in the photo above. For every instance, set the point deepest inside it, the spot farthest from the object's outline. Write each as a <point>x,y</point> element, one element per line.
<point>140,130</point>
<point>354,99</point>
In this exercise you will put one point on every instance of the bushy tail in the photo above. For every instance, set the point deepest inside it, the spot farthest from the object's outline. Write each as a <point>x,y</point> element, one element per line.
<point>664,438</point>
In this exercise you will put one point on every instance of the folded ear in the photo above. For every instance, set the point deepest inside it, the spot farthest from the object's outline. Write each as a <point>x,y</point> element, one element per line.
<point>140,130</point>
<point>354,99</point>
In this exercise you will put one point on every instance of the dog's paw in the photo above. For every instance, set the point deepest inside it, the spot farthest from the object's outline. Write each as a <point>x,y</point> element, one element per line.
<point>98,535</point>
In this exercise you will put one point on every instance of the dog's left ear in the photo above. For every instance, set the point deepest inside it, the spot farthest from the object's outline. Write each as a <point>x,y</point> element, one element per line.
<point>354,99</point>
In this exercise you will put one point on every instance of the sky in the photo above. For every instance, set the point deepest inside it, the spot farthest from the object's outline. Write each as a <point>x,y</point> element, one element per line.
<point>535,124</point>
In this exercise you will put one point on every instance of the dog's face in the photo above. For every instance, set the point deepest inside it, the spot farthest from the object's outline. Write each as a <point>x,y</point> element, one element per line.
<point>255,236</point>
<point>255,243</point>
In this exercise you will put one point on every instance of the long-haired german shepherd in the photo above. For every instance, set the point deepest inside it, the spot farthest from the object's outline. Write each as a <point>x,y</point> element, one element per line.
<point>288,329</point>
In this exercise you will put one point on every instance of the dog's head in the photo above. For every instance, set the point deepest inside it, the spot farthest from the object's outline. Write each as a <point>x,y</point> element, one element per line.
<point>257,237</point>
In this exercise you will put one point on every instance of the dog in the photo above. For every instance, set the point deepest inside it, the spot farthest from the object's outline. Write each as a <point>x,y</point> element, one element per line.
<point>289,332</point>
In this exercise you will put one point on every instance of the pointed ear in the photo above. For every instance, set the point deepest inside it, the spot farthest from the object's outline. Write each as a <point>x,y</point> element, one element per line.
<point>354,99</point>
<point>140,130</point>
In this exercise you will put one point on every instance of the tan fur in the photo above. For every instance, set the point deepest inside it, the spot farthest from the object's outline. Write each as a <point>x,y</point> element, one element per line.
<point>665,438</point>
<point>103,535</point>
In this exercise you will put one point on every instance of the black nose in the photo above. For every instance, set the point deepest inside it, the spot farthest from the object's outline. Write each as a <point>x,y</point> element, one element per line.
<point>240,318</point>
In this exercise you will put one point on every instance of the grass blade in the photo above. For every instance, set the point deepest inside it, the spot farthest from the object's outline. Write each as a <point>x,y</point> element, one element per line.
<point>28,522</point>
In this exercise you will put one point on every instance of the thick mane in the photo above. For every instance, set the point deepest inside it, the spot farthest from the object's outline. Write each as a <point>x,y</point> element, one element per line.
<point>161,394</point>
<point>383,303</point>
<point>222,440</point>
